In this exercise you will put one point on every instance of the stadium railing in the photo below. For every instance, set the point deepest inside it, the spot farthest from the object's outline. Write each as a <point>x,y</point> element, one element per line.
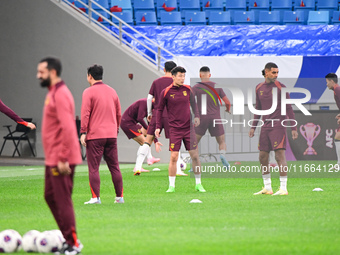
<point>96,14</point>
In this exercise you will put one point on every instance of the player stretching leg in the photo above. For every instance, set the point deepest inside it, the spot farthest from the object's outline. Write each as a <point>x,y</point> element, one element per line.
<point>176,99</point>
<point>273,135</point>
<point>135,127</point>
<point>332,84</point>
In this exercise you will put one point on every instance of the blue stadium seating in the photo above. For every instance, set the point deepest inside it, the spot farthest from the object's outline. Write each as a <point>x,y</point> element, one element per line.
<point>214,5</point>
<point>270,18</point>
<point>244,18</point>
<point>259,5</point>
<point>103,3</point>
<point>145,18</point>
<point>328,5</point>
<point>125,16</point>
<point>79,3</point>
<point>219,18</point>
<point>318,18</point>
<point>306,6</point>
<point>282,6</point>
<point>99,18</point>
<point>166,5</point>
<point>170,18</point>
<point>195,18</point>
<point>189,5</point>
<point>235,5</point>
<point>124,4</point>
<point>294,18</point>
<point>336,18</point>
<point>144,5</point>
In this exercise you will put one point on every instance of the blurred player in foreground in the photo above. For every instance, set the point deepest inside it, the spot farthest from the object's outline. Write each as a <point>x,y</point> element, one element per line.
<point>332,84</point>
<point>100,120</point>
<point>134,126</point>
<point>62,151</point>
<point>177,99</point>
<point>211,111</point>
<point>273,134</point>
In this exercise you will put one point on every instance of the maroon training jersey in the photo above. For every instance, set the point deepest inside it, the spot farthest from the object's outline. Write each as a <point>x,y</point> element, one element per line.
<point>337,95</point>
<point>264,100</point>
<point>137,112</point>
<point>156,88</point>
<point>6,110</point>
<point>177,100</point>
<point>213,103</point>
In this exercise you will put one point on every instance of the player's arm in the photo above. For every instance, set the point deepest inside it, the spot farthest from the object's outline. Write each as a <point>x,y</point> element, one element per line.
<point>149,106</point>
<point>159,112</point>
<point>85,116</point>
<point>140,117</point>
<point>66,119</point>
<point>227,104</point>
<point>291,115</point>
<point>256,117</point>
<point>194,108</point>
<point>11,114</point>
<point>118,113</point>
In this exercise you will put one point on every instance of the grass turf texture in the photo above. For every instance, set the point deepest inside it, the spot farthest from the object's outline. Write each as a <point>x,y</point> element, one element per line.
<point>229,221</point>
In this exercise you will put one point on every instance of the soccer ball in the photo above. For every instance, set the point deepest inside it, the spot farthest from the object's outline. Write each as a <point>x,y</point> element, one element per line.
<point>183,165</point>
<point>48,242</point>
<point>28,241</point>
<point>10,241</point>
<point>59,234</point>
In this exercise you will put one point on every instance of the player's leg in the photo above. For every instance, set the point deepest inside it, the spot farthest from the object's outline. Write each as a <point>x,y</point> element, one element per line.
<point>172,171</point>
<point>111,158</point>
<point>94,153</point>
<point>150,159</point>
<point>140,155</point>
<point>280,156</point>
<point>62,188</point>
<point>337,147</point>
<point>265,148</point>
<point>272,161</point>
<point>190,144</point>
<point>222,146</point>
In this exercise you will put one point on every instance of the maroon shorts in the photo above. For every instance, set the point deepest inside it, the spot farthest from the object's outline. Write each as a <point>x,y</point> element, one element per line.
<point>188,137</point>
<point>208,124</point>
<point>131,129</point>
<point>165,126</point>
<point>272,139</point>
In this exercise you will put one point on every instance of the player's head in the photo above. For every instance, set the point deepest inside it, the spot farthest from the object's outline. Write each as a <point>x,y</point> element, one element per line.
<point>331,80</point>
<point>178,75</point>
<point>271,71</point>
<point>49,69</point>
<point>94,73</point>
<point>168,66</point>
<point>263,73</point>
<point>205,73</point>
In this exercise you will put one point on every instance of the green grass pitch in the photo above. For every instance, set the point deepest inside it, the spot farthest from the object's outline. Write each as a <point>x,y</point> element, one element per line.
<point>229,221</point>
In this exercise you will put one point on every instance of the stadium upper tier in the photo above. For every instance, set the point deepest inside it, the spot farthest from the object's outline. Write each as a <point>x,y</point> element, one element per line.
<point>218,12</point>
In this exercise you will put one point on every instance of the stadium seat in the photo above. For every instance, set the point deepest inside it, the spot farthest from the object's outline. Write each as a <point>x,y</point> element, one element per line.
<point>306,6</point>
<point>282,6</point>
<point>244,18</point>
<point>235,5</point>
<point>100,18</point>
<point>102,3</point>
<point>189,5</point>
<point>146,18</point>
<point>166,6</point>
<point>259,5</point>
<point>124,4</point>
<point>318,18</point>
<point>269,18</point>
<point>219,18</point>
<point>80,5</point>
<point>212,5</point>
<point>125,16</point>
<point>328,5</point>
<point>195,18</point>
<point>336,18</point>
<point>294,18</point>
<point>144,5</point>
<point>170,18</point>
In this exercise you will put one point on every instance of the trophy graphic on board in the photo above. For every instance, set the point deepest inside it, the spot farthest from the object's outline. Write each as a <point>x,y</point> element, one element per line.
<point>310,131</point>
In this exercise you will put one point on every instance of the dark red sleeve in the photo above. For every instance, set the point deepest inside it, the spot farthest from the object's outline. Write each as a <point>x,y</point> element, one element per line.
<point>194,104</point>
<point>142,113</point>
<point>160,108</point>
<point>11,114</point>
